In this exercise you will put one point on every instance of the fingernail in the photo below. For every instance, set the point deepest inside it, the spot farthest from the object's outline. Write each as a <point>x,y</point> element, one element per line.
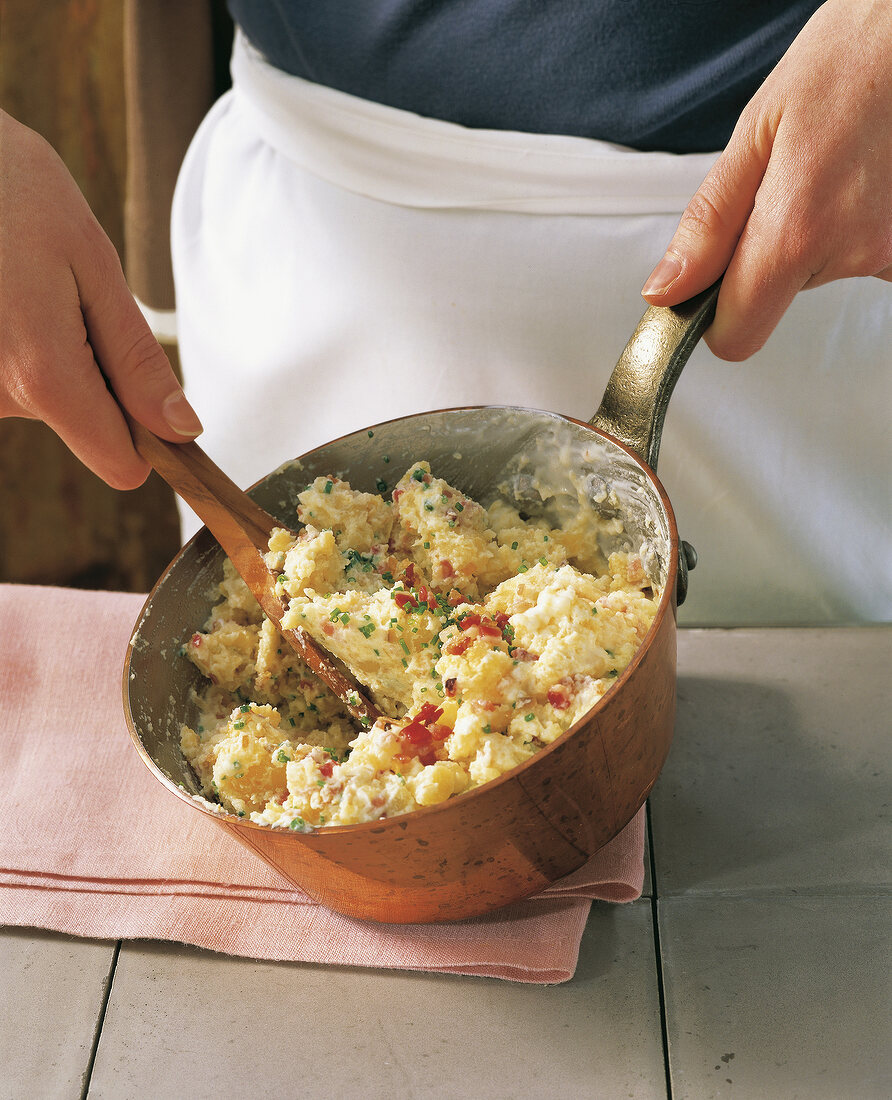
<point>663,275</point>
<point>180,415</point>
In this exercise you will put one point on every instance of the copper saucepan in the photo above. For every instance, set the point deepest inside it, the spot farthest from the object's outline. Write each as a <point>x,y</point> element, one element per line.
<point>537,823</point>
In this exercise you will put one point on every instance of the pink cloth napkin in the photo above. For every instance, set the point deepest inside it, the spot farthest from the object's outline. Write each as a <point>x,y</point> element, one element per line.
<point>93,845</point>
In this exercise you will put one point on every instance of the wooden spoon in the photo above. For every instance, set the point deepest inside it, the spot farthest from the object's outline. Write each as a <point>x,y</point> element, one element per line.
<point>243,529</point>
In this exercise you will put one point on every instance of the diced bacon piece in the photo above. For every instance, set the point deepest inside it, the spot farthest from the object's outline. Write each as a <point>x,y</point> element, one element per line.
<point>416,735</point>
<point>560,696</point>
<point>422,729</point>
<point>427,597</point>
<point>635,571</point>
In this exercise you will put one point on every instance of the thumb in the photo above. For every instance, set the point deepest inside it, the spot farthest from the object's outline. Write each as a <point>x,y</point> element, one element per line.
<point>711,225</point>
<point>132,360</point>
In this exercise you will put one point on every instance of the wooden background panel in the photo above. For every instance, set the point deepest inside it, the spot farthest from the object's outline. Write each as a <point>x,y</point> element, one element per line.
<point>61,72</point>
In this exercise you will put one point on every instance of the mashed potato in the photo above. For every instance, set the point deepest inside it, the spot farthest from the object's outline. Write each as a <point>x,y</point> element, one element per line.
<point>481,634</point>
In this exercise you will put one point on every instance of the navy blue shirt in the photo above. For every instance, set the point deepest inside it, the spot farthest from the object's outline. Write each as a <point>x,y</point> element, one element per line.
<point>652,74</point>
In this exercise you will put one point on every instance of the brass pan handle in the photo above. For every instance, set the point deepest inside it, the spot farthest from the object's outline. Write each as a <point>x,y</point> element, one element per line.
<point>634,405</point>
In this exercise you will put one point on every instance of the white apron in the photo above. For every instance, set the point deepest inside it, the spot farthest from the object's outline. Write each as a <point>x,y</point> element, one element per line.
<point>339,263</point>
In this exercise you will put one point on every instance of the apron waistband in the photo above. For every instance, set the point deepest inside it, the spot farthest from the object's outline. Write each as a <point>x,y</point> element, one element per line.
<point>402,158</point>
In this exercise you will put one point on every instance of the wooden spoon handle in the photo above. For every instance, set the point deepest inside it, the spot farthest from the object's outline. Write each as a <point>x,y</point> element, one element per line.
<point>243,528</point>
<point>213,496</point>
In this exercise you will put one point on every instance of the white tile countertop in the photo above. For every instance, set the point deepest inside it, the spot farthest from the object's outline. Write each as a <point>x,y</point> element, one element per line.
<point>755,966</point>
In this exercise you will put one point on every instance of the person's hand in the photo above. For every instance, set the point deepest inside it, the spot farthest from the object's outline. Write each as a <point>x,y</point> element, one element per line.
<point>802,195</point>
<point>68,321</point>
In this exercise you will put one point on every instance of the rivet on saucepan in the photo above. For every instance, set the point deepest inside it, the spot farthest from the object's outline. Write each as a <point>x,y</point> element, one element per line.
<point>687,560</point>
<point>690,555</point>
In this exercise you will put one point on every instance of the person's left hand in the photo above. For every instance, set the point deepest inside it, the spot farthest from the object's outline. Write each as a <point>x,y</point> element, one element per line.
<point>802,195</point>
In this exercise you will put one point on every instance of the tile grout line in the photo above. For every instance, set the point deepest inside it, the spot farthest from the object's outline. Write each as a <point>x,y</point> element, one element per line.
<point>100,1022</point>
<point>658,954</point>
<point>770,893</point>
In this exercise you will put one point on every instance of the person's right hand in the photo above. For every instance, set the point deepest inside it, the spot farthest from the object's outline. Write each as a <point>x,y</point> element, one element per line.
<point>68,322</point>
